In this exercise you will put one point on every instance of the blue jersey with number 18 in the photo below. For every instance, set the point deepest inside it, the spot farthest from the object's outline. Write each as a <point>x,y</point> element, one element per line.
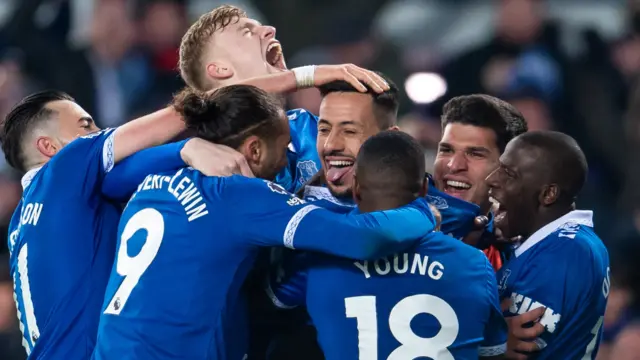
<point>186,243</point>
<point>438,300</point>
<point>61,241</point>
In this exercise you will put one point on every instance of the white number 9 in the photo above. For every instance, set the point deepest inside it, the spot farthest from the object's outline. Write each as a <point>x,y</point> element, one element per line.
<point>363,308</point>
<point>132,268</point>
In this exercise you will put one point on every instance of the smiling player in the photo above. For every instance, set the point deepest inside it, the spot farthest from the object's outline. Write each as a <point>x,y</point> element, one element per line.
<point>562,265</point>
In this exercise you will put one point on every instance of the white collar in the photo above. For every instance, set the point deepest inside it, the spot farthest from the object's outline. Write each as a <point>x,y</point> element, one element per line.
<point>28,177</point>
<point>314,193</point>
<point>581,217</point>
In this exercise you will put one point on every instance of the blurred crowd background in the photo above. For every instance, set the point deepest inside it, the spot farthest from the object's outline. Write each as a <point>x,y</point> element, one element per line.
<point>569,65</point>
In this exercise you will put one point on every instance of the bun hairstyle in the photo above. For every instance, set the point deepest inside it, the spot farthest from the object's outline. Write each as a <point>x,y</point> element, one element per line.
<point>230,114</point>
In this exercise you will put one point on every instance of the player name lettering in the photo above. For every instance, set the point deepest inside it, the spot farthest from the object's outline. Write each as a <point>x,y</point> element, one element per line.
<point>520,304</point>
<point>30,214</point>
<point>402,264</point>
<point>182,189</point>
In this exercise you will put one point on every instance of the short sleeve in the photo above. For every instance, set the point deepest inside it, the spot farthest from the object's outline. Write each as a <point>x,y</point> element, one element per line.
<point>496,330</point>
<point>84,162</point>
<point>543,283</point>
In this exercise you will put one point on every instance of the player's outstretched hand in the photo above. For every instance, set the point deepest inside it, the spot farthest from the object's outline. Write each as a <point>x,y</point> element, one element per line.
<point>214,159</point>
<point>521,341</point>
<point>354,75</point>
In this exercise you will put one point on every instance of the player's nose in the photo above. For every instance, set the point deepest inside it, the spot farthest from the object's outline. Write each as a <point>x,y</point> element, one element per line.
<point>492,178</point>
<point>333,143</point>
<point>268,32</point>
<point>457,163</point>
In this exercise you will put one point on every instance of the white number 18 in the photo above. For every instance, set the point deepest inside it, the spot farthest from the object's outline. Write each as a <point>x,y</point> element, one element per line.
<point>412,346</point>
<point>132,268</point>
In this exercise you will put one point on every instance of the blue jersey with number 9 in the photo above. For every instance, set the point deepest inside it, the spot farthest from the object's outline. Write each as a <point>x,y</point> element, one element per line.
<point>185,245</point>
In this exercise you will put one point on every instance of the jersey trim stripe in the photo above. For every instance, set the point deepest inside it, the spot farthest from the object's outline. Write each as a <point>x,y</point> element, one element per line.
<point>487,351</point>
<point>292,226</point>
<point>108,160</point>
<point>274,299</point>
<point>31,331</point>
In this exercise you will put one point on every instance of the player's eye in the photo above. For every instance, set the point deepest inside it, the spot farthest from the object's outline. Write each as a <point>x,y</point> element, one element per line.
<point>247,32</point>
<point>476,154</point>
<point>350,131</point>
<point>510,174</point>
<point>324,131</point>
<point>445,150</point>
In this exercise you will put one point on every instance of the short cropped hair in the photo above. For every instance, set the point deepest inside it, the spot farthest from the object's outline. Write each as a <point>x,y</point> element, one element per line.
<point>229,115</point>
<point>21,120</point>
<point>564,162</point>
<point>488,112</point>
<point>385,104</point>
<point>196,38</point>
<point>391,163</point>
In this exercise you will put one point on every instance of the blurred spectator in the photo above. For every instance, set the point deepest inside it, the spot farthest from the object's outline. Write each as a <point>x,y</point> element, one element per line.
<point>524,54</point>
<point>161,23</point>
<point>10,337</point>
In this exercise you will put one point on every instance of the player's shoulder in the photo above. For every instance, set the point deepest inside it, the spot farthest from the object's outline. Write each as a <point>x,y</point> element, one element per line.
<point>81,145</point>
<point>301,115</point>
<point>572,233</point>
<point>452,250</point>
<point>437,240</point>
<point>253,189</point>
<point>88,140</point>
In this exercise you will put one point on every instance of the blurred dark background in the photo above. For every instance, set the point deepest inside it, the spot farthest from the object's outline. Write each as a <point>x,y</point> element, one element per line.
<point>569,65</point>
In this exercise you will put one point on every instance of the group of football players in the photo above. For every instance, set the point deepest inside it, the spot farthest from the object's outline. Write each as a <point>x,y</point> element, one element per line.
<point>486,258</point>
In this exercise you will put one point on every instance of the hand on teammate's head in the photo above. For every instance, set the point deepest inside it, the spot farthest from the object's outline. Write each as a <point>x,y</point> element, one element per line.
<point>214,159</point>
<point>361,79</point>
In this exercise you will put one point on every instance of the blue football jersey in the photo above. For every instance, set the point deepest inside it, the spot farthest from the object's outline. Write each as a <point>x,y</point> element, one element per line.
<point>438,300</point>
<point>303,160</point>
<point>186,242</point>
<point>457,215</point>
<point>563,267</point>
<point>62,238</point>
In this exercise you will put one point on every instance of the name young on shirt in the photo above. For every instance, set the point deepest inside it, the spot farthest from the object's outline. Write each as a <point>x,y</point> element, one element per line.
<point>182,188</point>
<point>400,264</point>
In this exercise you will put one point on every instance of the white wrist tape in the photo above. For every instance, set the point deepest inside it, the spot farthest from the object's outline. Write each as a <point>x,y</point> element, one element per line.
<point>304,76</point>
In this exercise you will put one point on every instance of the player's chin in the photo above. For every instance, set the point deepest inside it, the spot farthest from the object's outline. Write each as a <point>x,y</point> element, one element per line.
<point>340,190</point>
<point>501,223</point>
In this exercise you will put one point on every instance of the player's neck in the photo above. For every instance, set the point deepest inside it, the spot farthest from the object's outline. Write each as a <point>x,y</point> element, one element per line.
<point>381,203</point>
<point>35,165</point>
<point>548,216</point>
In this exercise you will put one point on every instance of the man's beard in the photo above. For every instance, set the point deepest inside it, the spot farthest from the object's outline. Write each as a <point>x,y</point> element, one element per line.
<point>344,195</point>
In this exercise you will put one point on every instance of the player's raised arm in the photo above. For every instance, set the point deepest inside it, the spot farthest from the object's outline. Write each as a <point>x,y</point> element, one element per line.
<point>310,76</point>
<point>277,218</point>
<point>125,177</point>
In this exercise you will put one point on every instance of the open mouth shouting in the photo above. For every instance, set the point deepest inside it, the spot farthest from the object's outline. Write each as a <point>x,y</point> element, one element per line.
<point>274,56</point>
<point>499,213</point>
<point>339,168</point>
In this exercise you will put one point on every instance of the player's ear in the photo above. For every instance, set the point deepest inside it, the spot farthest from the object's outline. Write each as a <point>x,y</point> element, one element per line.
<point>252,149</point>
<point>549,194</point>
<point>394,128</point>
<point>424,188</point>
<point>356,189</point>
<point>46,146</point>
<point>219,71</point>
